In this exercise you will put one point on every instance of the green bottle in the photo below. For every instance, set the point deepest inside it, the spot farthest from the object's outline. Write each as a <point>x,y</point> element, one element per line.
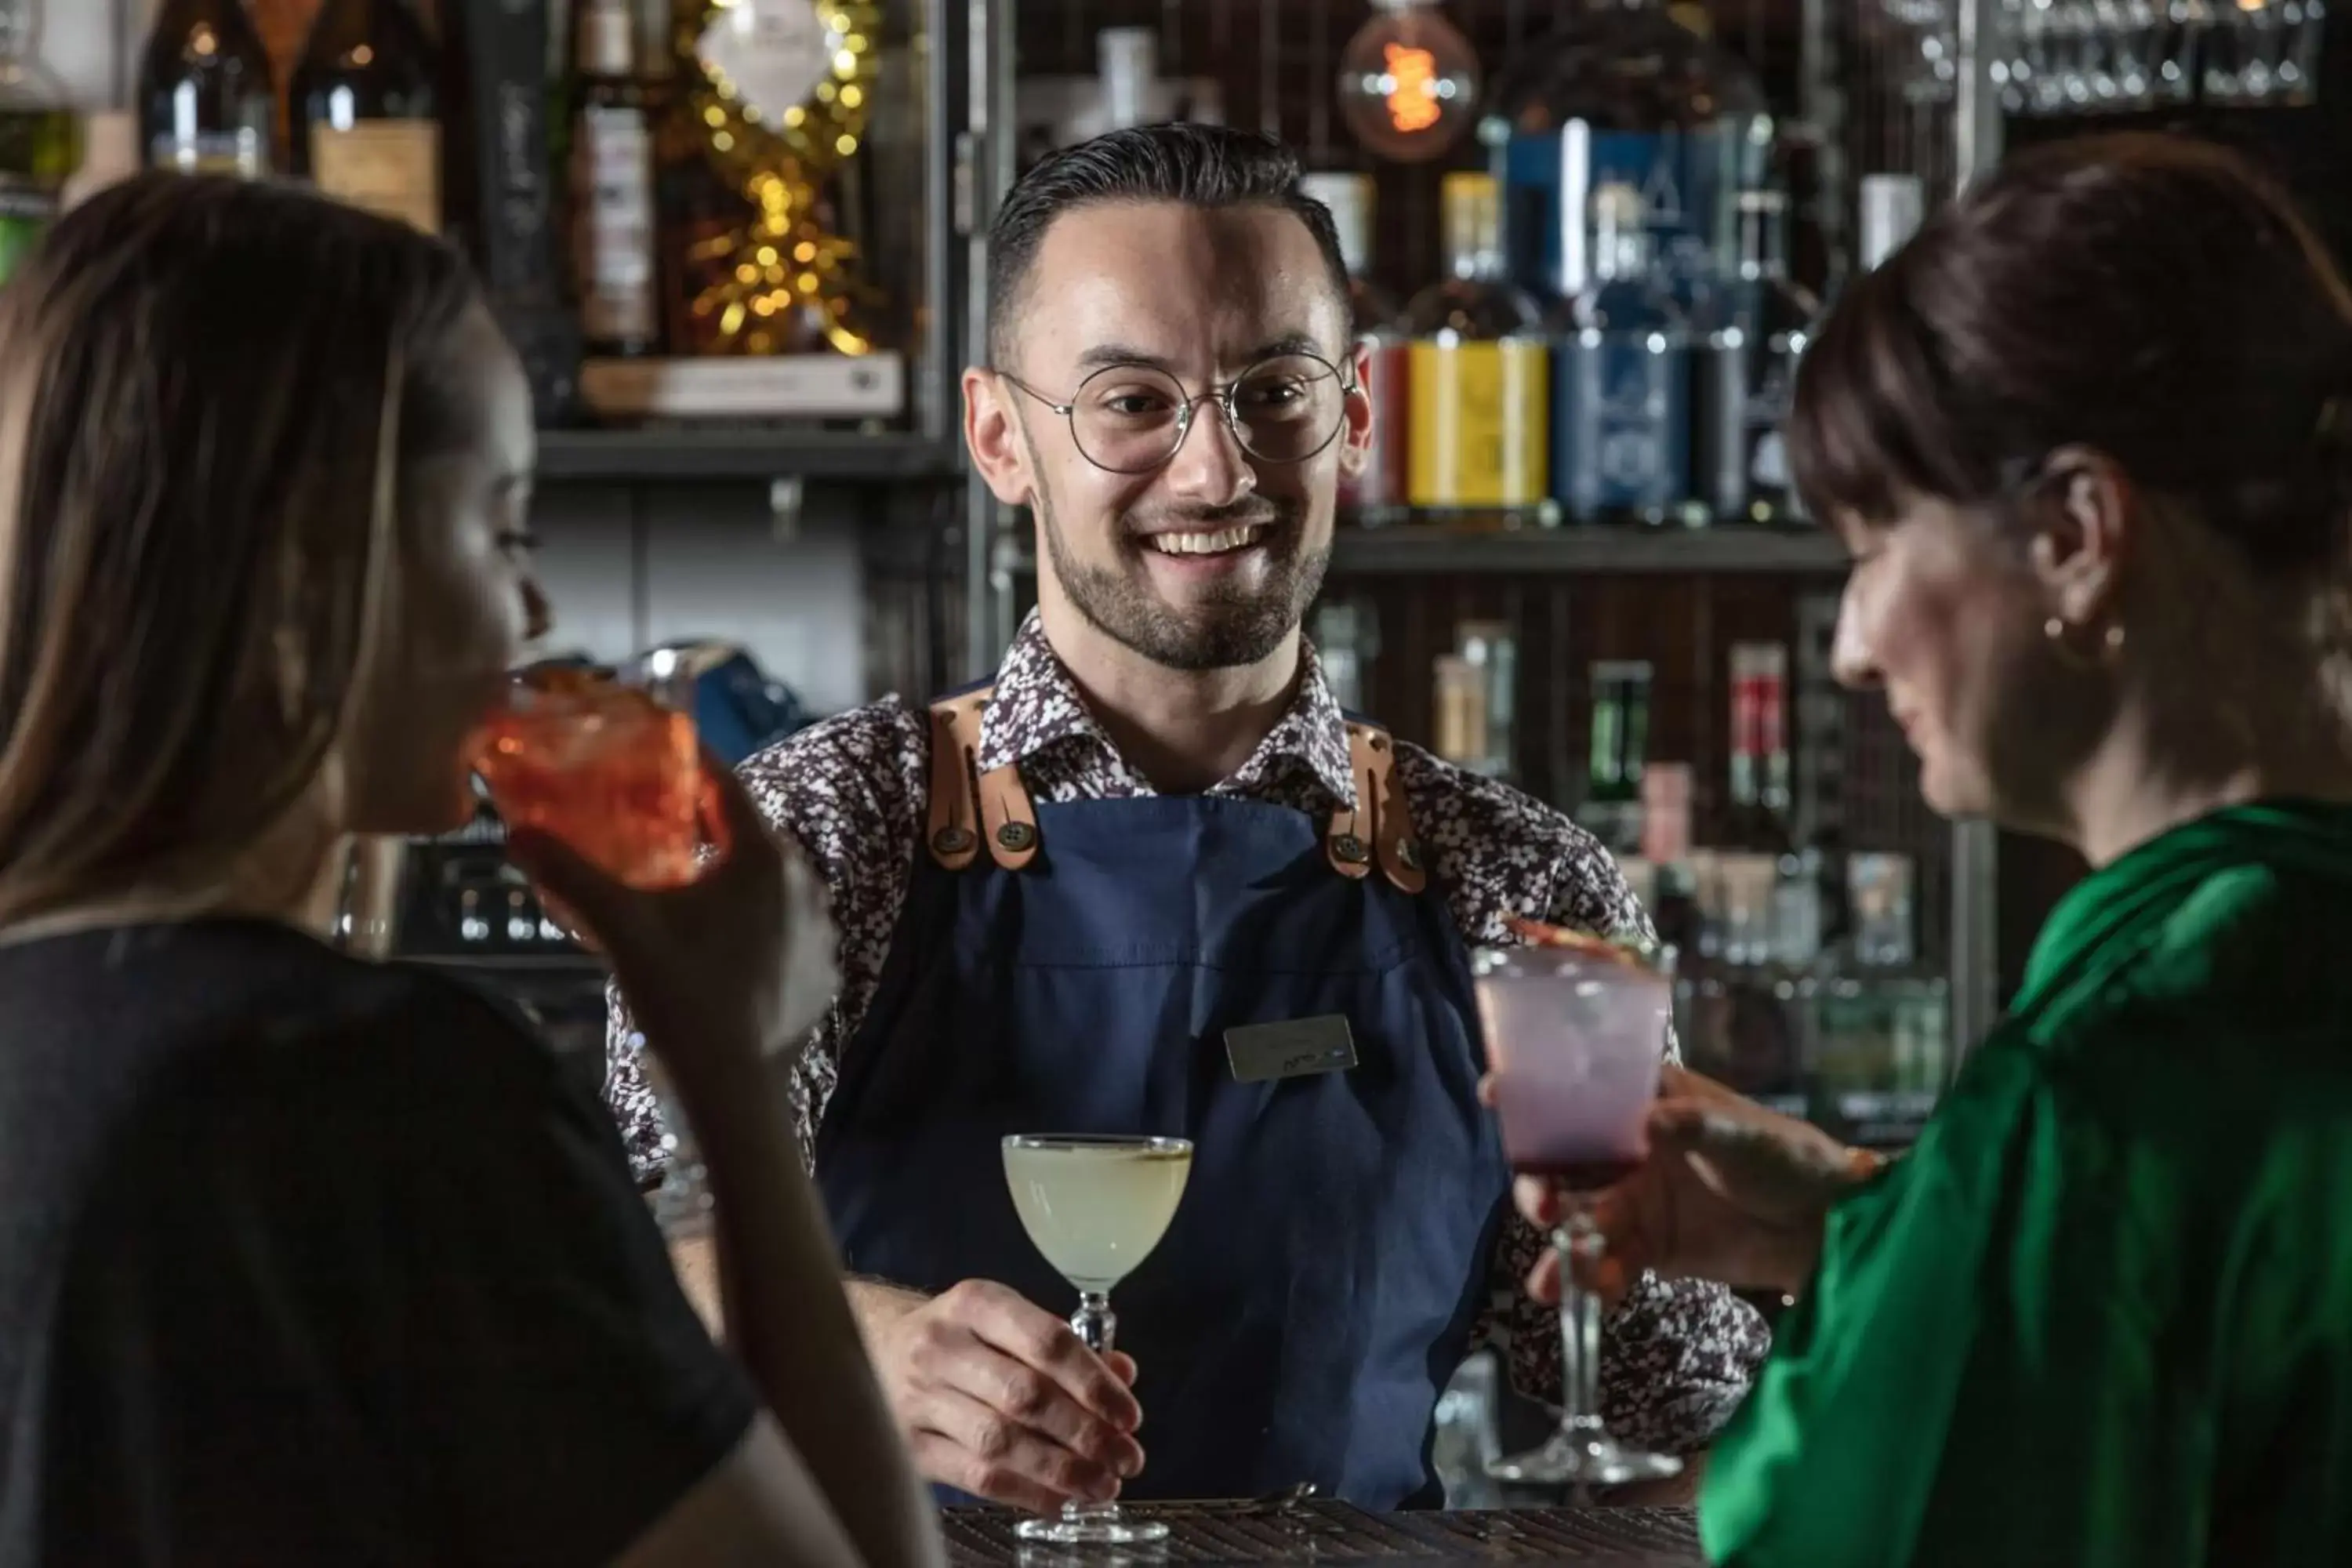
<point>40,136</point>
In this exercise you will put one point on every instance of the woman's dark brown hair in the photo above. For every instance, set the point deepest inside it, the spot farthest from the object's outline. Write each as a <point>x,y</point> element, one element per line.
<point>207,392</point>
<point>2150,295</point>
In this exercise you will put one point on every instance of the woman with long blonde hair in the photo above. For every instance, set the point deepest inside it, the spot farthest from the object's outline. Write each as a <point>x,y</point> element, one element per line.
<point>303,1258</point>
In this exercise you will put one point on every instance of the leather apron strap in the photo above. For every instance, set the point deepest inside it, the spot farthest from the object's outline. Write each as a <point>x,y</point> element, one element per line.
<point>965,804</point>
<point>969,807</point>
<point>1378,826</point>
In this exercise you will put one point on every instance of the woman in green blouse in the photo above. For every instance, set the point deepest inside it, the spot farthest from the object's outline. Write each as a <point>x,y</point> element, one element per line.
<point>2089,439</point>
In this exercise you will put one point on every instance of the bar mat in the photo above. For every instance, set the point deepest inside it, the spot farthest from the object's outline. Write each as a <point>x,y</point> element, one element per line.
<point>1333,1533</point>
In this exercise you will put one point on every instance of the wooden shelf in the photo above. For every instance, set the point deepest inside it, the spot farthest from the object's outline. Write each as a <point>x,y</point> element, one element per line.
<point>687,456</point>
<point>1410,549</point>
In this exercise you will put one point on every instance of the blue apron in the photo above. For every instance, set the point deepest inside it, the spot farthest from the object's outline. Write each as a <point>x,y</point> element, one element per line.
<point>1319,1284</point>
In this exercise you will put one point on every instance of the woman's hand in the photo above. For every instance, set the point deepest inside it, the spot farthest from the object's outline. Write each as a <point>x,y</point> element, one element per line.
<point>1730,1192</point>
<point>739,959</point>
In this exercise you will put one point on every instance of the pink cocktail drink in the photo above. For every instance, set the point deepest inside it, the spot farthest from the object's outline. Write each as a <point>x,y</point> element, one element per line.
<point>1575,1031</point>
<point>1574,1040</point>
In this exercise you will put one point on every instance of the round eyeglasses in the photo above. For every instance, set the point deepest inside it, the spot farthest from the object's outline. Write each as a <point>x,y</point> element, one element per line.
<point>1132,419</point>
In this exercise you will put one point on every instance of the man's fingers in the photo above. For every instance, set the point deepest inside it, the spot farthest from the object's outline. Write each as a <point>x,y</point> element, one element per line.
<point>1001,1456</point>
<point>943,1460</point>
<point>1122,1367</point>
<point>1031,1335</point>
<point>1030,1397</point>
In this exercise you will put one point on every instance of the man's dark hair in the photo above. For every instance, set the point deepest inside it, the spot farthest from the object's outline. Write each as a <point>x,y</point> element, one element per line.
<point>1194,165</point>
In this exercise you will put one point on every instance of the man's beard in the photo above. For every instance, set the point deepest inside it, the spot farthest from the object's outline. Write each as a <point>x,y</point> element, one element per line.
<point>1227,628</point>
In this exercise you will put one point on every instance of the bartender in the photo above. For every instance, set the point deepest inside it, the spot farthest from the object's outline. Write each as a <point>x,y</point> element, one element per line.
<point>1150,879</point>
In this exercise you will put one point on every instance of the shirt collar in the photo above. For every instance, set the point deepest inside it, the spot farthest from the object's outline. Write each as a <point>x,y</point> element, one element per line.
<point>1036,704</point>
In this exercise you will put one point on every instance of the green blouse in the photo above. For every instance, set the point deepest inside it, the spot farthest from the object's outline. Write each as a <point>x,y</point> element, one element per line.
<point>2102,1314</point>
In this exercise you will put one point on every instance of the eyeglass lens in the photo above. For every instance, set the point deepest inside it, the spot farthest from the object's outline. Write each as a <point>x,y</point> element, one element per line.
<point>1130,419</point>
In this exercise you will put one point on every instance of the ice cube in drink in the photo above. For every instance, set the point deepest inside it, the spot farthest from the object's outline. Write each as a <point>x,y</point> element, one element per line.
<point>603,767</point>
<point>1574,1041</point>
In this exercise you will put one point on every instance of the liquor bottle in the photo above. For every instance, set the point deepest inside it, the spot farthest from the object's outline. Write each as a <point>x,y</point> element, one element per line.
<point>1479,394</point>
<point>1127,60</point>
<point>1760,774</point>
<point>1617,756</point>
<point>40,136</point>
<point>366,102</point>
<point>1752,334</point>
<point>1621,93</point>
<point>507,208</point>
<point>1491,653</point>
<point>205,104</point>
<point>613,207</point>
<point>1378,493</point>
<point>1346,641</point>
<point>1621,381</point>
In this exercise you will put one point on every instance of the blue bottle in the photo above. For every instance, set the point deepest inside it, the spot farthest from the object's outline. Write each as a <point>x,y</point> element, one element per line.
<point>1620,379</point>
<point>1621,92</point>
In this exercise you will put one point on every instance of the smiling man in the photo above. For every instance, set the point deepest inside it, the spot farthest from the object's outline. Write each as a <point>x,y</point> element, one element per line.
<point>1150,879</point>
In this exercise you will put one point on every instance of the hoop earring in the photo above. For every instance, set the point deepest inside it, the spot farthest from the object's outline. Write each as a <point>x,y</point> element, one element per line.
<point>2111,643</point>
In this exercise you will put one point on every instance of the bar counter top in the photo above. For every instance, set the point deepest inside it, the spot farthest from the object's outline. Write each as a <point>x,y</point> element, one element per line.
<point>1334,1535</point>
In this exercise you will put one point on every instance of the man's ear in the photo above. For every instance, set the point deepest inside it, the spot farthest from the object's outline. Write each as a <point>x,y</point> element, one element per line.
<point>991,432</point>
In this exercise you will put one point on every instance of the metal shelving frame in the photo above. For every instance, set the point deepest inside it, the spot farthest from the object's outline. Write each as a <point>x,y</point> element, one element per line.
<point>1975,945</point>
<point>928,448</point>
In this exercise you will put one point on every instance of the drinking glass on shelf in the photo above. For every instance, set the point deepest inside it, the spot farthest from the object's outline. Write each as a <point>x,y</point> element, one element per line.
<point>2229,56</point>
<point>1925,49</point>
<point>1095,1207</point>
<point>1574,1037</point>
<point>2181,24</point>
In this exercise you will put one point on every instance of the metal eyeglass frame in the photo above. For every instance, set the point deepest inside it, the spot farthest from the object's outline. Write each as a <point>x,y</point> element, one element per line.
<point>1223,396</point>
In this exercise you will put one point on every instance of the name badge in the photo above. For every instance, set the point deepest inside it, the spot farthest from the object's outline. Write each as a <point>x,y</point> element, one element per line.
<point>1295,1047</point>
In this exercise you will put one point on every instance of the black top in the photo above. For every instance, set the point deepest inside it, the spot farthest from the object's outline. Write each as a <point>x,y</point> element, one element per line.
<point>304,1260</point>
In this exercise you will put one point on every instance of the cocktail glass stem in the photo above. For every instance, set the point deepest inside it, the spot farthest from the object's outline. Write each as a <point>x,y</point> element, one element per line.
<point>1580,1454</point>
<point>1580,1242</point>
<point>1094,1322</point>
<point>1096,1327</point>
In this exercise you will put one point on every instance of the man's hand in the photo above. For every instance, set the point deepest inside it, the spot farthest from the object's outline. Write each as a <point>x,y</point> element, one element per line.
<point>1730,1192</point>
<point>999,1398</point>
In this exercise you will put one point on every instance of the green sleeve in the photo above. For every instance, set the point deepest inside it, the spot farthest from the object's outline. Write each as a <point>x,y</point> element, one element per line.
<point>1972,1377</point>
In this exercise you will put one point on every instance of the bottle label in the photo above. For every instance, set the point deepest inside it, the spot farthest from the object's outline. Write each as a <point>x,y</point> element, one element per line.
<point>771,53</point>
<point>1382,481</point>
<point>391,167</point>
<point>1620,438</point>
<point>1479,419</point>
<point>613,170</point>
<point>243,152</point>
<point>1687,177</point>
